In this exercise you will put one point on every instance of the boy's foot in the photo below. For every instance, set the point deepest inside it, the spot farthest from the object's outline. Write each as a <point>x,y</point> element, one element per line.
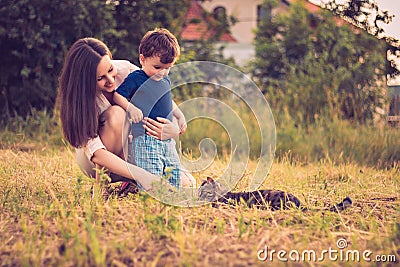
<point>104,192</point>
<point>128,188</point>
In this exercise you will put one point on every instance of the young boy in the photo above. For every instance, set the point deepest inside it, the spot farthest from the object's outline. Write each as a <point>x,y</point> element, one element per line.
<point>149,89</point>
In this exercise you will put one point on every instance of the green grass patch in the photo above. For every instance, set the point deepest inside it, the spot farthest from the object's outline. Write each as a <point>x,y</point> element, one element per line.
<point>49,217</point>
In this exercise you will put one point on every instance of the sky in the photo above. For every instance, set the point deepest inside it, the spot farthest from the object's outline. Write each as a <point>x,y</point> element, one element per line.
<point>391,29</point>
<point>393,6</point>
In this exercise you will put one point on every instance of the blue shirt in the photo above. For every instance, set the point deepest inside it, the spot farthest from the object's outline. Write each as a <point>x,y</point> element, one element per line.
<point>153,98</point>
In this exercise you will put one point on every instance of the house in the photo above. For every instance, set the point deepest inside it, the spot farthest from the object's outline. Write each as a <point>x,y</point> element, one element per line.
<point>198,25</point>
<point>239,42</point>
<point>247,15</point>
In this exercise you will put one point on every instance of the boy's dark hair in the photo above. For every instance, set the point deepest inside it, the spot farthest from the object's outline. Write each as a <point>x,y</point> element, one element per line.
<point>161,43</point>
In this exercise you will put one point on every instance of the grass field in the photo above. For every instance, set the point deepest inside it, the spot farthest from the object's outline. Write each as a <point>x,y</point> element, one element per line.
<point>49,218</point>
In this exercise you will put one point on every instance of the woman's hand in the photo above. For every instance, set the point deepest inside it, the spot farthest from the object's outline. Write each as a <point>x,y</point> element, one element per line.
<point>162,129</point>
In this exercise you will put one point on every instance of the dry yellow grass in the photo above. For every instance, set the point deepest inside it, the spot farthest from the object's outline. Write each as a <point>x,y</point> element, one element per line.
<point>48,218</point>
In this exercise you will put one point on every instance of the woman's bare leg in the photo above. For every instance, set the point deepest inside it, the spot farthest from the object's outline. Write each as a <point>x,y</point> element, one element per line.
<point>114,135</point>
<point>111,134</point>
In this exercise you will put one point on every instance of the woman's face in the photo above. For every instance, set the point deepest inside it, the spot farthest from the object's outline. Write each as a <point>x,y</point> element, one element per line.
<point>106,73</point>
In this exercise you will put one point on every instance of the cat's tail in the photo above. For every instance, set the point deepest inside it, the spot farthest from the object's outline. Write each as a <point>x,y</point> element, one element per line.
<point>341,206</point>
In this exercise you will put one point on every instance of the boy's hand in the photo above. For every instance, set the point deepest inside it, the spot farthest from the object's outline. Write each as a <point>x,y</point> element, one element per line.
<point>180,118</point>
<point>135,114</point>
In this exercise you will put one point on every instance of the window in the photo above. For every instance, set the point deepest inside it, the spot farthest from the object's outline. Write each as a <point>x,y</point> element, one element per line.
<point>219,13</point>
<point>263,12</point>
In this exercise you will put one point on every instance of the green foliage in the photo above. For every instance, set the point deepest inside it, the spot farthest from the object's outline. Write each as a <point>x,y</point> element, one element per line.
<point>38,126</point>
<point>308,67</point>
<point>34,38</point>
<point>134,18</point>
<point>367,15</point>
<point>338,142</point>
<point>35,35</point>
<point>214,127</point>
<point>328,139</point>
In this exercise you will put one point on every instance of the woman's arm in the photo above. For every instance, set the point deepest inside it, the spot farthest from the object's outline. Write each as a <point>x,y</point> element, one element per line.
<point>117,165</point>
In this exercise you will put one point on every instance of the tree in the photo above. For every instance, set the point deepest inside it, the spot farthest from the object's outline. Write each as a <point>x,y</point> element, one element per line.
<point>309,66</point>
<point>135,17</point>
<point>367,15</point>
<point>270,63</point>
<point>35,35</point>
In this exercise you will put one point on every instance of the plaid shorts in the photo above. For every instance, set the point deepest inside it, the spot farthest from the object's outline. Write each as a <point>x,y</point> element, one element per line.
<point>158,157</point>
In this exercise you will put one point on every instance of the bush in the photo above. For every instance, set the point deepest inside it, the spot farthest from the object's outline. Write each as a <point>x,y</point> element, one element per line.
<point>339,142</point>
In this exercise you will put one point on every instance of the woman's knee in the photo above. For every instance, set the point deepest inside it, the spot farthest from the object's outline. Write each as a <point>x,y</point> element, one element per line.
<point>114,118</point>
<point>111,131</point>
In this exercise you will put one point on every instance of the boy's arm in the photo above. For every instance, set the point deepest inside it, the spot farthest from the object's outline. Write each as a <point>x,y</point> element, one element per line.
<point>178,114</point>
<point>120,101</point>
<point>135,114</point>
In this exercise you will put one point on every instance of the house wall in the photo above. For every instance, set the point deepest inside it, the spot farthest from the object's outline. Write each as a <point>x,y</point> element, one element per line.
<point>245,12</point>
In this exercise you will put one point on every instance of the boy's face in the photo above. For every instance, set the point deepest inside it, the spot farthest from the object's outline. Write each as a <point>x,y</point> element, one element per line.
<point>153,67</point>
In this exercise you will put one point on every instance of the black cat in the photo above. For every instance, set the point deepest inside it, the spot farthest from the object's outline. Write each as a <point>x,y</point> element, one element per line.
<point>213,191</point>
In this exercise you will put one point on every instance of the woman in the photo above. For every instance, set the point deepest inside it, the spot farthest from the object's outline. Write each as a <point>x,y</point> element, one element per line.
<point>90,122</point>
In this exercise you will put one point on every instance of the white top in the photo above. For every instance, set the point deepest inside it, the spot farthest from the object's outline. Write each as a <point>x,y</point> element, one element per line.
<point>123,67</point>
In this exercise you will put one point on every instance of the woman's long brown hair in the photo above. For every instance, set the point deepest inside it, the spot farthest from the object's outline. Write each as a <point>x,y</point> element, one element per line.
<point>78,88</point>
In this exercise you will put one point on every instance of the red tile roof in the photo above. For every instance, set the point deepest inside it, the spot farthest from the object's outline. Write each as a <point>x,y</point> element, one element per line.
<point>313,8</point>
<point>197,25</point>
